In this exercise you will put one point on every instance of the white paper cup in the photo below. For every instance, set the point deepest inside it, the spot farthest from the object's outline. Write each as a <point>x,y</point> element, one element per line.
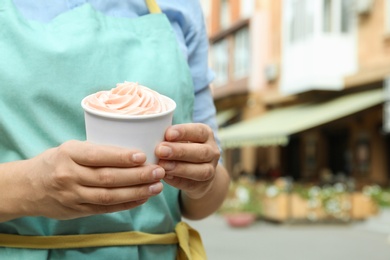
<point>141,132</point>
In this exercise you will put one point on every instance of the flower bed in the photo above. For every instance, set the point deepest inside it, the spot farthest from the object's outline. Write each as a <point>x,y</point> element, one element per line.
<point>314,203</point>
<point>283,201</point>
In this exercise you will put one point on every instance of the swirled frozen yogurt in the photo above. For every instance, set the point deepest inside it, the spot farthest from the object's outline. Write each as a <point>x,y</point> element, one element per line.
<point>128,98</point>
<point>129,115</point>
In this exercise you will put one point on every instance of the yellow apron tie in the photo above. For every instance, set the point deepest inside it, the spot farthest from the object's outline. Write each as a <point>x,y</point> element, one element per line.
<point>153,6</point>
<point>189,242</point>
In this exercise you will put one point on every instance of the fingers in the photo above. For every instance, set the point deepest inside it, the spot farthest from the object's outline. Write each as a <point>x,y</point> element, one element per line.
<point>194,184</point>
<point>85,201</point>
<point>189,143</point>
<point>89,154</point>
<point>189,156</point>
<point>188,152</point>
<point>120,177</point>
<point>79,179</point>
<point>115,196</point>
<point>196,132</point>
<point>198,172</point>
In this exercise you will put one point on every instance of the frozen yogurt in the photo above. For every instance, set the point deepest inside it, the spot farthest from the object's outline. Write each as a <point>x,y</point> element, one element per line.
<point>128,98</point>
<point>129,115</point>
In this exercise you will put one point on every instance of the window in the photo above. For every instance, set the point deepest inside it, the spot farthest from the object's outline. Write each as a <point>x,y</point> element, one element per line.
<point>220,55</point>
<point>225,14</point>
<point>311,154</point>
<point>386,106</point>
<point>311,29</point>
<point>362,155</point>
<point>331,16</point>
<point>246,8</point>
<point>327,16</point>
<point>387,16</point>
<point>346,16</point>
<point>241,53</point>
<point>386,117</point>
<point>337,16</point>
<point>301,25</point>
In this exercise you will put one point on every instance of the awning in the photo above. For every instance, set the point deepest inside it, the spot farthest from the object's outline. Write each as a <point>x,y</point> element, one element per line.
<point>275,127</point>
<point>226,115</point>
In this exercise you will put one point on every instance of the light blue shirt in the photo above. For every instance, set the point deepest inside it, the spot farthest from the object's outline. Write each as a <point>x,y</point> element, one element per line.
<point>187,20</point>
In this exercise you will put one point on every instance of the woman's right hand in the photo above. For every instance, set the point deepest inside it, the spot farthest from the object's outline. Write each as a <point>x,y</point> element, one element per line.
<point>78,179</point>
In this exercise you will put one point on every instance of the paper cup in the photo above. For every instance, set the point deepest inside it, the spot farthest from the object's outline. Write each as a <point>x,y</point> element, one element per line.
<point>141,132</point>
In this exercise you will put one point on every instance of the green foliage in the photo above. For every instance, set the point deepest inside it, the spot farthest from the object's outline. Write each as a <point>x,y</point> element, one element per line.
<point>243,196</point>
<point>381,196</point>
<point>334,200</point>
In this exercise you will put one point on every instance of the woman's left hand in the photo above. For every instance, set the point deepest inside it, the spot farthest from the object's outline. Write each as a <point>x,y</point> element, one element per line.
<point>190,157</point>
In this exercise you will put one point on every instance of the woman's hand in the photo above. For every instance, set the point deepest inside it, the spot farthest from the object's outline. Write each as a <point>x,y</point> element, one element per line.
<point>190,157</point>
<point>79,179</point>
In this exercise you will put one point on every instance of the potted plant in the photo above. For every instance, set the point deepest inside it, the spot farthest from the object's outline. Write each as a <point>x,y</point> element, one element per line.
<point>242,205</point>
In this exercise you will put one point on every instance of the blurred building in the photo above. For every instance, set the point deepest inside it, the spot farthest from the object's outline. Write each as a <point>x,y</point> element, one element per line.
<point>300,87</point>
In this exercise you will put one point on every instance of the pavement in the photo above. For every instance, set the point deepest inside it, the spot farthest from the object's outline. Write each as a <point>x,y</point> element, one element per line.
<point>362,240</point>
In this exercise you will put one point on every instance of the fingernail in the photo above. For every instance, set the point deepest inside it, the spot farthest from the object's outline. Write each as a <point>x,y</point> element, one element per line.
<point>170,177</point>
<point>168,166</point>
<point>158,173</point>
<point>155,188</point>
<point>139,157</point>
<point>165,151</point>
<point>174,134</point>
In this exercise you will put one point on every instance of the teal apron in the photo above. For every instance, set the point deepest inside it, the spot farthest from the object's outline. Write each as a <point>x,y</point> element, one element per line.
<point>45,71</point>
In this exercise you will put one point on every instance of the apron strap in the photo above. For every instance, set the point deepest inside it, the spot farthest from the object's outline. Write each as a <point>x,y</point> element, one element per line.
<point>189,242</point>
<point>153,6</point>
<point>130,238</point>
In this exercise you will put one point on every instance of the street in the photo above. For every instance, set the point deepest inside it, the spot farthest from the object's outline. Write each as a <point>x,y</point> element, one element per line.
<point>362,240</point>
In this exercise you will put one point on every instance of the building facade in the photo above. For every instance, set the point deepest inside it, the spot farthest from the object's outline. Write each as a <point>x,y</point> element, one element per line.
<point>302,87</point>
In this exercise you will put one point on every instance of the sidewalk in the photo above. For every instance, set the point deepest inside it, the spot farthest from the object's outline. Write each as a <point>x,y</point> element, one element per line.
<point>270,241</point>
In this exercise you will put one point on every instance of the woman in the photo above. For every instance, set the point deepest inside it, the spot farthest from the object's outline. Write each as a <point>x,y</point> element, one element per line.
<point>56,186</point>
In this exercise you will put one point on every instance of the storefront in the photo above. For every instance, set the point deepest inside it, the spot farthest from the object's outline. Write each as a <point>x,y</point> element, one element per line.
<point>341,136</point>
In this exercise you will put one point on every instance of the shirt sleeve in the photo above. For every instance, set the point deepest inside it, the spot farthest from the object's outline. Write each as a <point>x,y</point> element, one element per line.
<point>188,23</point>
<point>186,17</point>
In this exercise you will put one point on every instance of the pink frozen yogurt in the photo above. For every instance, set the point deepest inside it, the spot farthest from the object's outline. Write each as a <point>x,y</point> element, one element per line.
<point>129,115</point>
<point>128,98</point>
